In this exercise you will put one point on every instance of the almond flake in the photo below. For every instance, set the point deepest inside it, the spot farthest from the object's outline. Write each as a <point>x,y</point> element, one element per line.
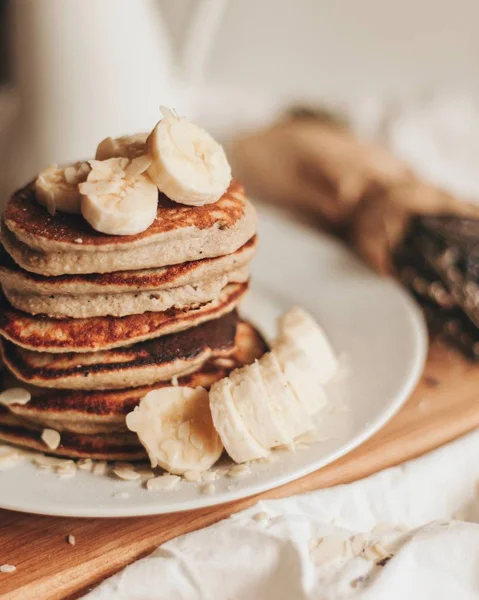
<point>119,464</point>
<point>121,495</point>
<point>15,396</point>
<point>145,473</point>
<point>208,489</point>
<point>270,458</point>
<point>85,464</point>
<point>126,474</point>
<point>227,363</point>
<point>192,475</point>
<point>168,112</point>
<point>71,540</point>
<point>209,475</point>
<point>51,438</point>
<point>51,461</point>
<point>67,475</point>
<point>7,568</point>
<point>66,466</point>
<point>239,471</point>
<point>262,517</point>
<point>174,381</point>
<point>78,241</point>
<point>67,471</point>
<point>100,468</point>
<point>163,483</point>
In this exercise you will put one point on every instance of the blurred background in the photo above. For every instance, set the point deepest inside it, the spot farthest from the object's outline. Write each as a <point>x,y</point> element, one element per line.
<point>404,73</point>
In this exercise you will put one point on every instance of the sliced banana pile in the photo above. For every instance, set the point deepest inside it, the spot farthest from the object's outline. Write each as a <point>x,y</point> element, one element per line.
<point>271,402</point>
<point>258,407</point>
<point>175,427</point>
<point>182,160</point>
<point>117,197</point>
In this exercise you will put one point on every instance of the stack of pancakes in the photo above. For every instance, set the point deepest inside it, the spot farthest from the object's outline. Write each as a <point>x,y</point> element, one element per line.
<point>439,262</point>
<point>91,322</point>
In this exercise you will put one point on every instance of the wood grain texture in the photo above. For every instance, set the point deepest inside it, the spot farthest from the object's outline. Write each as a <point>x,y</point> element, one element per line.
<point>444,406</point>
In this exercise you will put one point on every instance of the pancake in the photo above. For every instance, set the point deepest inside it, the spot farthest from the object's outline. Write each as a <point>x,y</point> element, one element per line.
<point>111,446</point>
<point>46,334</point>
<point>119,282</point>
<point>92,424</point>
<point>67,244</point>
<point>141,364</point>
<point>128,303</point>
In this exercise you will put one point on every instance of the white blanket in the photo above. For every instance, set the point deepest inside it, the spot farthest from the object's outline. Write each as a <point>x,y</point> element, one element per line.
<point>276,556</point>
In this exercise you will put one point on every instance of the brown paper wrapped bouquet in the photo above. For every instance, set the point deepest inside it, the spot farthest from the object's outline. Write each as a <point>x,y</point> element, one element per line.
<point>397,223</point>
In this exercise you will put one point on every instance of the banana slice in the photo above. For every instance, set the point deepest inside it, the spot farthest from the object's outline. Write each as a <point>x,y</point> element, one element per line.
<point>129,146</point>
<point>56,187</point>
<point>118,198</point>
<point>187,164</point>
<point>235,435</point>
<point>174,425</point>
<point>301,375</point>
<point>284,403</point>
<point>258,411</point>
<point>297,328</point>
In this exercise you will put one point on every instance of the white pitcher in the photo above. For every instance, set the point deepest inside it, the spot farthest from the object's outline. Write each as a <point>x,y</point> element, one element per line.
<point>86,69</point>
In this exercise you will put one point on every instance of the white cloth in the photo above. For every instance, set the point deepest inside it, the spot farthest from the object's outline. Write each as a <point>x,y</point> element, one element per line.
<point>244,558</point>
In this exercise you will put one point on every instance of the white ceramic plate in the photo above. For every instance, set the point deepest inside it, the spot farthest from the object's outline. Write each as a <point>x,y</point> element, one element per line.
<point>374,326</point>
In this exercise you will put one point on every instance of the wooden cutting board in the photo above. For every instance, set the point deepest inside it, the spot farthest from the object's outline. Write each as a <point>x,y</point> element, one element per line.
<point>444,406</point>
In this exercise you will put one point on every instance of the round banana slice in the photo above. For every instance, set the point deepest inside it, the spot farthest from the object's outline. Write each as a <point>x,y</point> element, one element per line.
<point>234,432</point>
<point>129,146</point>
<point>258,411</point>
<point>187,164</point>
<point>174,425</point>
<point>298,328</point>
<point>302,375</point>
<point>56,187</point>
<point>118,198</point>
<point>285,405</point>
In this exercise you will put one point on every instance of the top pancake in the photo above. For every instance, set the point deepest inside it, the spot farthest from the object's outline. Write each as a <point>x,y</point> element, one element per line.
<point>119,282</point>
<point>67,244</point>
